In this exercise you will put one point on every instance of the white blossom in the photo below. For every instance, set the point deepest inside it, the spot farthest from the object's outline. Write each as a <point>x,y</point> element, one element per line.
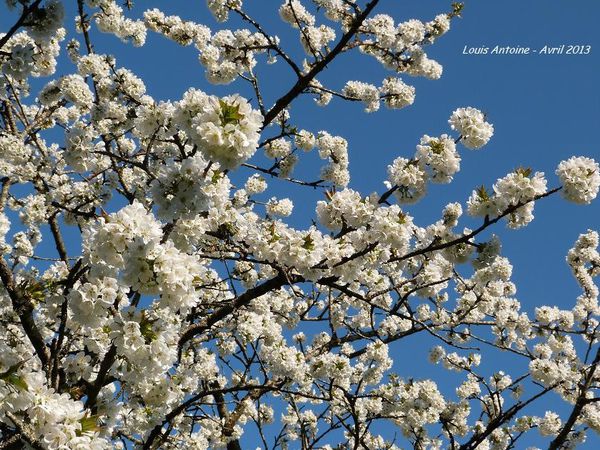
<point>282,207</point>
<point>439,156</point>
<point>226,130</point>
<point>365,92</point>
<point>474,130</point>
<point>580,177</point>
<point>396,94</point>
<point>294,13</point>
<point>410,179</point>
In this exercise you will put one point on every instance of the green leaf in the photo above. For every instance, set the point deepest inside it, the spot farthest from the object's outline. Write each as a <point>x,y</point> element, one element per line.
<point>217,175</point>
<point>146,329</point>
<point>525,171</point>
<point>227,230</point>
<point>437,147</point>
<point>17,381</point>
<point>274,236</point>
<point>11,377</point>
<point>230,114</point>
<point>309,243</point>
<point>457,8</point>
<point>339,365</point>
<point>483,193</point>
<point>401,218</point>
<point>35,290</point>
<point>88,425</point>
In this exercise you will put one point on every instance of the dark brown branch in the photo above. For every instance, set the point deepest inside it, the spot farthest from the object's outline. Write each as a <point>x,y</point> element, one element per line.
<point>58,239</point>
<point>273,173</point>
<point>74,274</point>
<point>562,436</point>
<point>24,433</point>
<point>500,420</point>
<point>465,238</point>
<point>107,362</point>
<point>269,39</point>
<point>12,442</point>
<point>304,81</point>
<point>224,415</point>
<point>387,194</point>
<point>9,117</point>
<point>156,431</point>
<point>20,22</point>
<point>23,307</point>
<point>240,301</point>
<point>4,192</point>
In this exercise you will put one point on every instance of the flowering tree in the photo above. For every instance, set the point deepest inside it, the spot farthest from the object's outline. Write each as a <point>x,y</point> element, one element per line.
<point>195,317</point>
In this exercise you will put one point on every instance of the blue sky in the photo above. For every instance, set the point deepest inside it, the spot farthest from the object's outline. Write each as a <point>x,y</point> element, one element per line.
<point>544,108</point>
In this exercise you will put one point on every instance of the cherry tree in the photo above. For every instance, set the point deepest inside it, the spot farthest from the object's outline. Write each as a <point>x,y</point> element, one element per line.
<point>193,315</point>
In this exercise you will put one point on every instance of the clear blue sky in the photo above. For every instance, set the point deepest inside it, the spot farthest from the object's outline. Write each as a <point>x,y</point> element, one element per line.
<point>544,109</point>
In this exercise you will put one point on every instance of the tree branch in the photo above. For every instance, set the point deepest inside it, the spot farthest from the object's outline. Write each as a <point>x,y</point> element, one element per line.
<point>562,436</point>
<point>24,434</point>
<point>94,390</point>
<point>24,309</point>
<point>305,80</point>
<point>58,239</point>
<point>242,300</point>
<point>19,23</point>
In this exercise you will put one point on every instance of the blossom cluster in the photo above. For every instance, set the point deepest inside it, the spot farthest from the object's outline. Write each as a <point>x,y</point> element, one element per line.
<point>226,130</point>
<point>394,92</point>
<point>436,159</point>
